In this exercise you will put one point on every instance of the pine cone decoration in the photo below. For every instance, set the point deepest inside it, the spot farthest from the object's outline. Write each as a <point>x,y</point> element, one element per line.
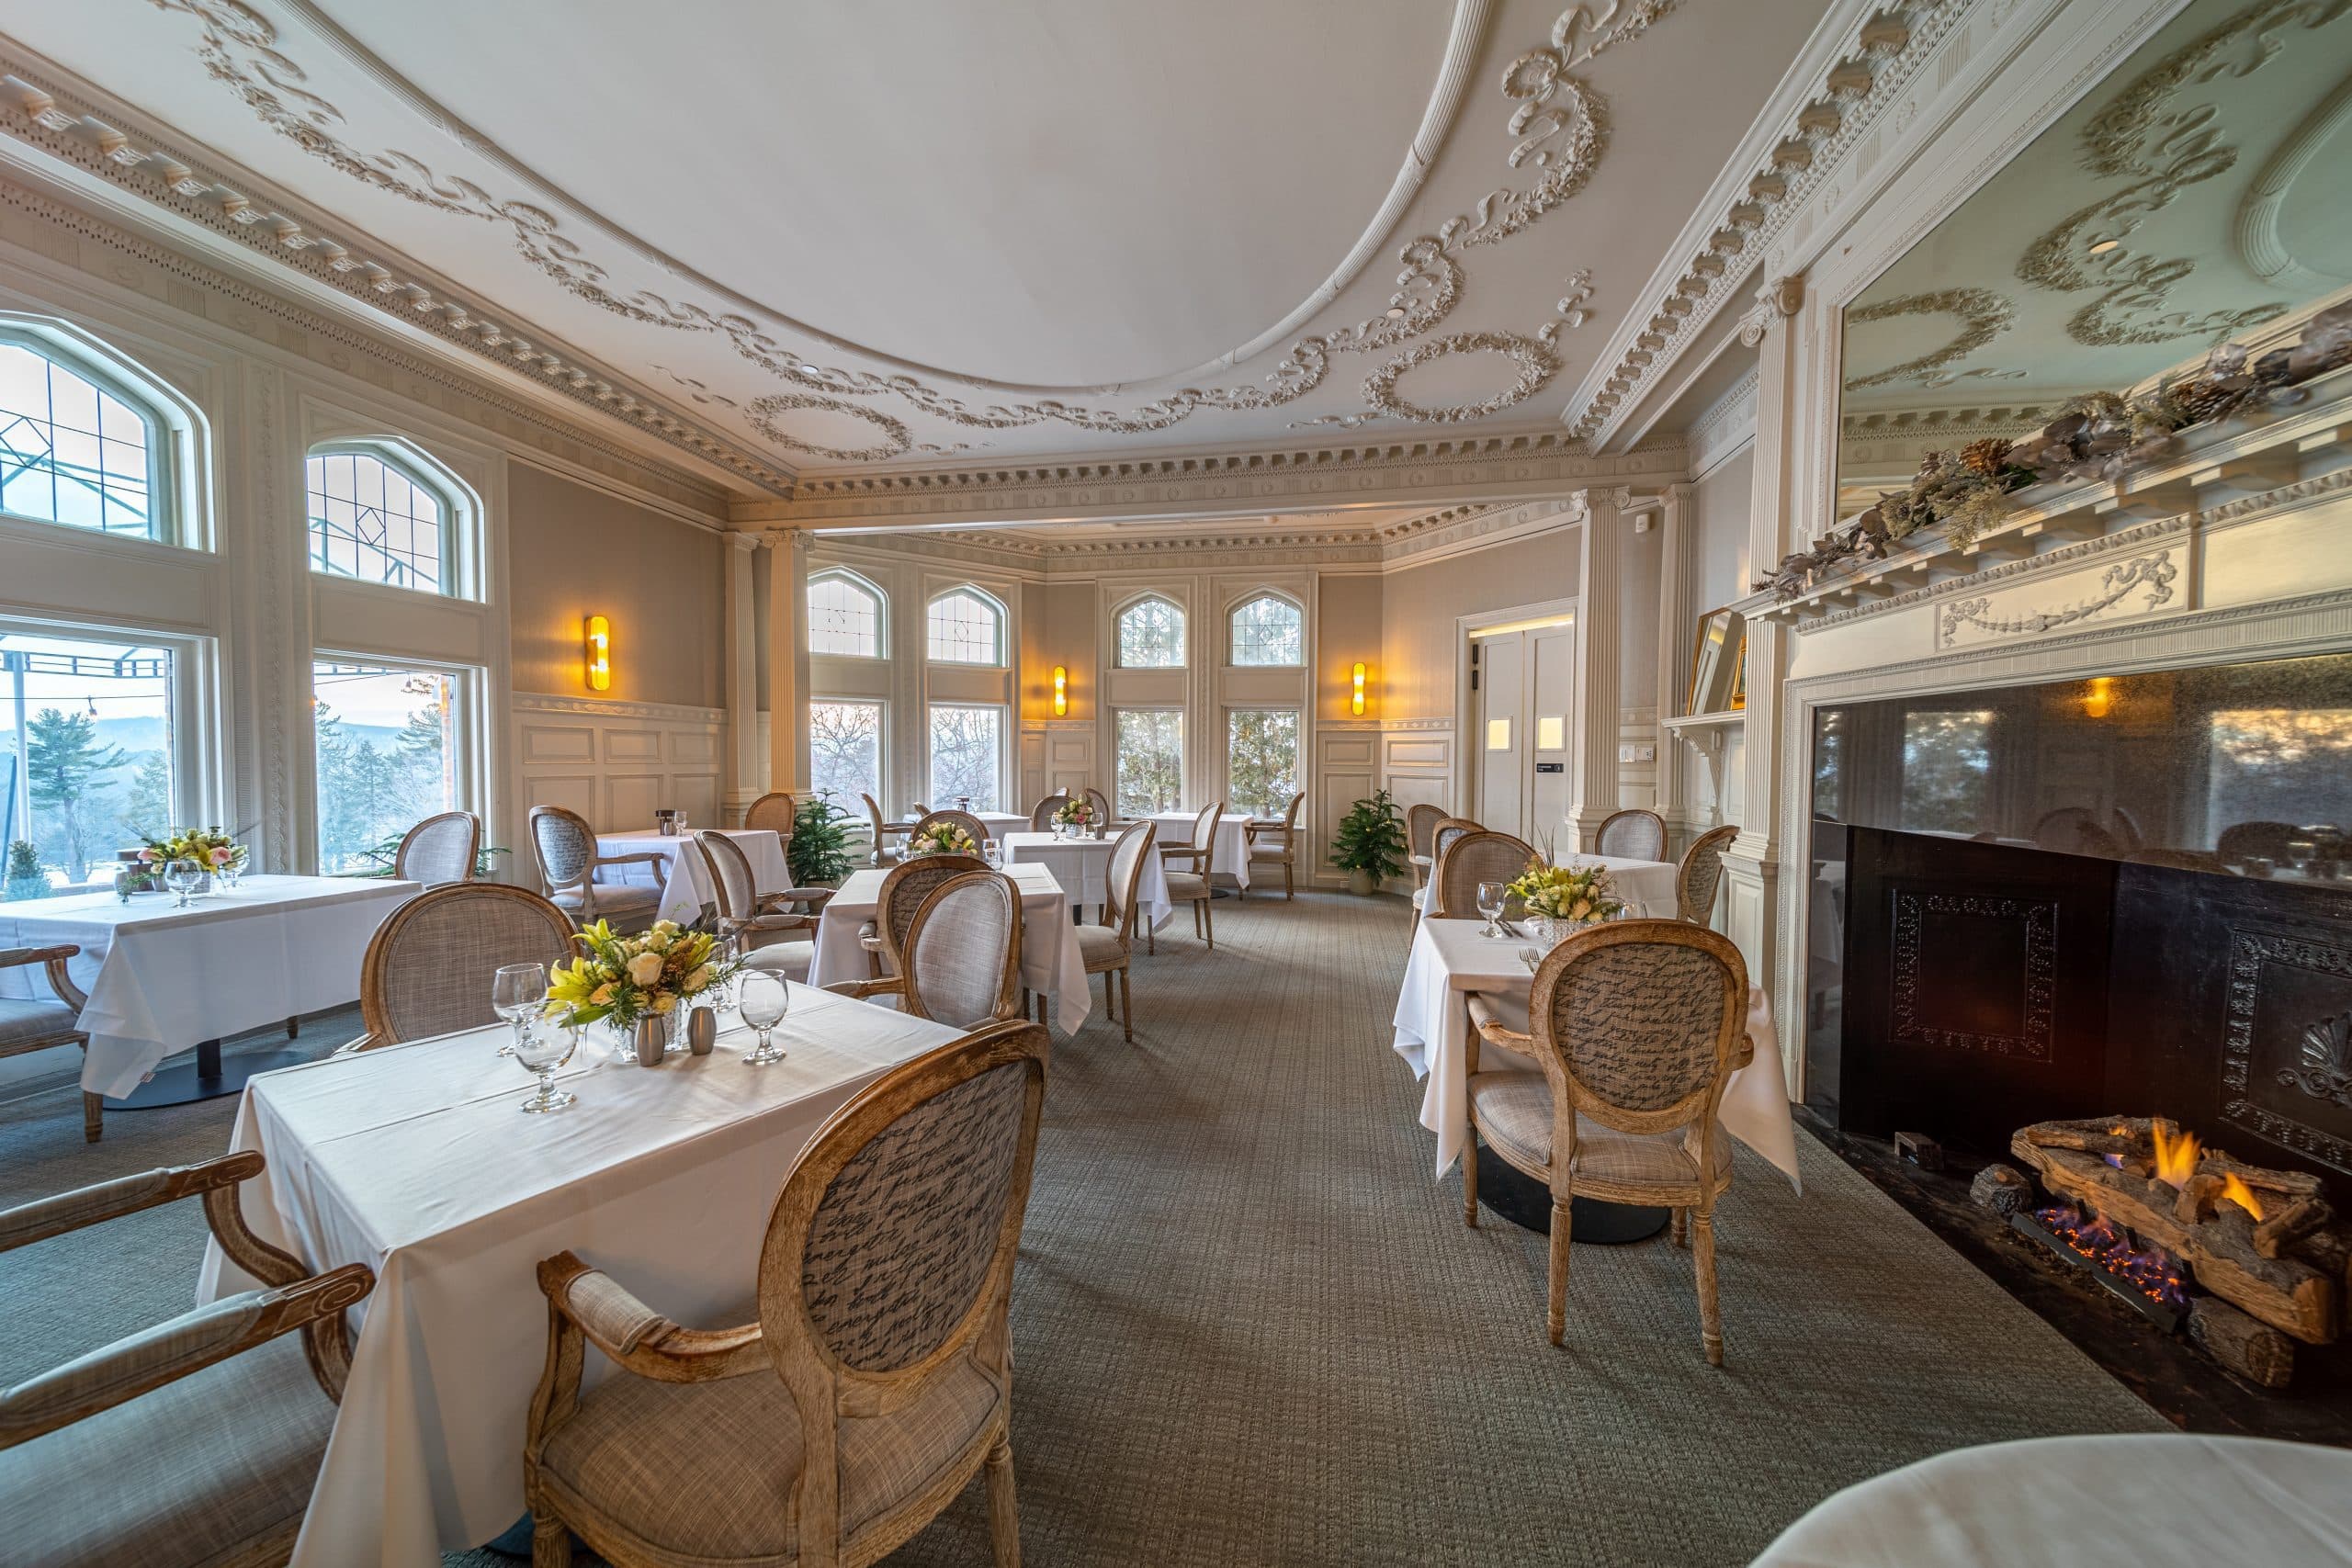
<point>1986,456</point>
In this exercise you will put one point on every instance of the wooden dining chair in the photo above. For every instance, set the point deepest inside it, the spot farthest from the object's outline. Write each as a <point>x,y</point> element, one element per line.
<point>1041,816</point>
<point>1108,948</point>
<point>1468,858</point>
<point>428,967</point>
<point>439,849</point>
<point>973,827</point>
<point>565,847</point>
<point>1194,886</point>
<point>36,1023</point>
<point>1443,831</point>
<point>883,829</point>
<point>960,961</point>
<point>1632,834</point>
<point>1101,806</point>
<point>1699,873</point>
<point>877,1379</point>
<point>776,812</point>
<point>1636,1025</point>
<point>904,887</point>
<point>196,1440</point>
<point>762,924</point>
<point>1276,843</point>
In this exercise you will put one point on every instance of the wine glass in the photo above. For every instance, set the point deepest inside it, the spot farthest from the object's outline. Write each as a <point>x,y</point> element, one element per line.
<point>182,877</point>
<point>763,1001</point>
<point>542,1047</point>
<point>228,871</point>
<point>517,991</point>
<point>1491,897</point>
<point>993,853</point>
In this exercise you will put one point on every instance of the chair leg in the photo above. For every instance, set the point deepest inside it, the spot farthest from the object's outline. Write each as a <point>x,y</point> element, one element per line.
<point>92,1117</point>
<point>1682,1228</point>
<point>1290,886</point>
<point>1208,922</point>
<point>550,1542</point>
<point>1555,1306</point>
<point>293,1029</point>
<point>1470,1178</point>
<point>1127,1004</point>
<point>1703,1253</point>
<point>1005,1510</point>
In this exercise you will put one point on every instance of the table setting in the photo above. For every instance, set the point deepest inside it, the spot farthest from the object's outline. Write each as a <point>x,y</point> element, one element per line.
<point>1230,856</point>
<point>1051,964</point>
<point>1082,863</point>
<point>685,880</point>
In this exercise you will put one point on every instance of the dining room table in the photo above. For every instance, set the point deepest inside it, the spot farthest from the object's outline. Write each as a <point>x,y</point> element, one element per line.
<point>1644,886</point>
<point>1229,855</point>
<point>1083,868</point>
<point>1051,964</point>
<point>1451,958</point>
<point>163,978</point>
<point>685,880</point>
<point>416,1160</point>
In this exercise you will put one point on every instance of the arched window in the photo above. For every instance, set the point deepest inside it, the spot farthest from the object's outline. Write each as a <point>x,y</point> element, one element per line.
<point>377,515</point>
<point>78,447</point>
<point>845,616</point>
<point>1268,629</point>
<point>967,627</point>
<point>1151,635</point>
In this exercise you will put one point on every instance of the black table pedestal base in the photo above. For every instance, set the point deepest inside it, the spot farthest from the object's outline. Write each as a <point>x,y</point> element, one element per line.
<point>1525,1203</point>
<point>206,1078</point>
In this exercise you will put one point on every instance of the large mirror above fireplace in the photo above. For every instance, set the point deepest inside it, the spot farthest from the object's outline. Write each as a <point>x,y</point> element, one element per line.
<point>2200,194</point>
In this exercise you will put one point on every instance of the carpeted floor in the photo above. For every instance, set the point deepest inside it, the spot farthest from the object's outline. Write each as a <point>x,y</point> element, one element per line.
<point>1251,1330</point>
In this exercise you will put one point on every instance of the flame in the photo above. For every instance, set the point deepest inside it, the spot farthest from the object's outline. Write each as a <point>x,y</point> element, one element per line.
<point>2176,1155</point>
<point>2104,1245</point>
<point>2238,1192</point>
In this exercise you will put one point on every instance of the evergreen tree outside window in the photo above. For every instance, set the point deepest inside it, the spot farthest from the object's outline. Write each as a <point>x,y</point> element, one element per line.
<point>1150,760</point>
<point>1150,635</point>
<point>377,519</point>
<point>1261,760</point>
<point>1269,630</point>
<point>386,753</point>
<point>845,616</point>
<point>845,751</point>
<point>966,628</point>
<point>966,755</point>
<point>93,771</point>
<point>75,448</point>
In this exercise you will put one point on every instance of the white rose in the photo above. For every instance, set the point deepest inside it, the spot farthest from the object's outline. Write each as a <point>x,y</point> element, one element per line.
<point>645,968</point>
<point>698,980</point>
<point>664,1003</point>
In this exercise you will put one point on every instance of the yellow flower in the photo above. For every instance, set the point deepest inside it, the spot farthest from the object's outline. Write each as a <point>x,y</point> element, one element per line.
<point>665,1002</point>
<point>602,995</point>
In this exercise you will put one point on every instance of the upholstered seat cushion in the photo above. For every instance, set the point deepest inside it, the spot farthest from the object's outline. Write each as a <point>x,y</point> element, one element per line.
<point>186,1473</point>
<point>712,1470</point>
<point>612,898</point>
<point>22,1020</point>
<point>1276,851</point>
<point>1100,949</point>
<point>789,959</point>
<point>1514,1111</point>
<point>1183,886</point>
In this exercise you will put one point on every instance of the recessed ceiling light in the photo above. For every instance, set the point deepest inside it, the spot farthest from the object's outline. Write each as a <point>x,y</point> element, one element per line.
<point>1396,312</point>
<point>2103,246</point>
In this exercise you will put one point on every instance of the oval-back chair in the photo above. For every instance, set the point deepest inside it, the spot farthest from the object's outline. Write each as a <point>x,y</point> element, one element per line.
<point>972,826</point>
<point>441,849</point>
<point>1699,873</point>
<point>776,811</point>
<point>1468,859</point>
<point>961,957</point>
<point>1276,843</point>
<point>1108,948</point>
<point>565,847</point>
<point>428,967</point>
<point>1041,817</point>
<point>904,887</point>
<point>1632,834</point>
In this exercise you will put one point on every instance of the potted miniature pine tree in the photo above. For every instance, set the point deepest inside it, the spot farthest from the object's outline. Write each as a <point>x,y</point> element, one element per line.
<point>1370,843</point>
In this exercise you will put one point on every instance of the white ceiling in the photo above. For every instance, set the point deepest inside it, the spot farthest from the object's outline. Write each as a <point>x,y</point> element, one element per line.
<point>852,235</point>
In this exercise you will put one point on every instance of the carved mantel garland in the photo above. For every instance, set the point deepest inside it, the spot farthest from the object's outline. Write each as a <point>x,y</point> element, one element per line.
<point>2154,573</point>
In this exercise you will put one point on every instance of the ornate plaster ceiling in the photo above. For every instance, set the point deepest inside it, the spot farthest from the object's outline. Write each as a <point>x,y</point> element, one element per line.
<point>815,240</point>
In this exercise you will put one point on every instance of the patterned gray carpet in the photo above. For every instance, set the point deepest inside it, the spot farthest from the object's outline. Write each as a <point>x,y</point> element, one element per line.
<point>1251,1328</point>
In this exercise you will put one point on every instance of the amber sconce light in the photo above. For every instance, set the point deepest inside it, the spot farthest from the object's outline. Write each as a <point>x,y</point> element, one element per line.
<point>1355,697</point>
<point>596,634</point>
<point>1061,689</point>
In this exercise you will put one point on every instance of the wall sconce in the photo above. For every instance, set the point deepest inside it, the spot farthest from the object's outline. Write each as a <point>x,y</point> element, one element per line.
<point>1355,699</point>
<point>597,633</point>
<point>2100,697</point>
<point>1061,689</point>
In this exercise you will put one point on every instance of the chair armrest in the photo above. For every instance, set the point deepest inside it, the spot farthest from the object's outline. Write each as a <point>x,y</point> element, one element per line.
<point>890,985</point>
<point>661,864</point>
<point>1492,1028</point>
<point>46,1217</point>
<point>53,959</point>
<point>810,899</point>
<point>1746,1054</point>
<point>1194,852</point>
<point>637,1337</point>
<point>172,1349</point>
<point>770,923</point>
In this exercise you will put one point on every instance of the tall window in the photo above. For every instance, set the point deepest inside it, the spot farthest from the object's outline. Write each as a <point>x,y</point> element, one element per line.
<point>1151,761</point>
<point>966,628</point>
<point>966,755</point>
<point>89,768</point>
<point>1151,635</point>
<point>377,519</point>
<point>845,616</point>
<point>1261,760</point>
<point>1269,630</point>
<point>845,751</point>
<point>72,451</point>
<point>386,757</point>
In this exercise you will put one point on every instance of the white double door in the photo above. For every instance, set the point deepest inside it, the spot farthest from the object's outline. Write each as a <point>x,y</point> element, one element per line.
<point>1522,744</point>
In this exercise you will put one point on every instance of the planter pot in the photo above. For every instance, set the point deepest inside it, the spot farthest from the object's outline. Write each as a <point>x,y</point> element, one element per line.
<point>1361,884</point>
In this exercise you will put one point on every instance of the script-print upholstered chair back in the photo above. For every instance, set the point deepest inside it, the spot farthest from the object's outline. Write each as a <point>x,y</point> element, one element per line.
<point>774,812</point>
<point>428,967</point>
<point>762,924</point>
<point>439,849</point>
<point>1041,819</point>
<point>961,955</point>
<point>565,847</point>
<point>1637,1024</point>
<point>904,887</point>
<point>1276,843</point>
<point>1188,868</point>
<point>1701,873</point>
<point>196,1440</point>
<point>1478,855</point>
<point>1631,835</point>
<point>1107,949</point>
<point>37,1022</point>
<point>974,828</point>
<point>878,1378</point>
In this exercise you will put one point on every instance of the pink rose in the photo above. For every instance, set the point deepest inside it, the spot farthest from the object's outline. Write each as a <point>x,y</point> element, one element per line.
<point>148,856</point>
<point>220,854</point>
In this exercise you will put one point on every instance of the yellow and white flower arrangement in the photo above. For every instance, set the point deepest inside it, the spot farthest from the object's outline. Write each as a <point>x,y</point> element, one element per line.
<point>1576,895</point>
<point>208,846</point>
<point>1078,813</point>
<point>942,838</point>
<point>624,978</point>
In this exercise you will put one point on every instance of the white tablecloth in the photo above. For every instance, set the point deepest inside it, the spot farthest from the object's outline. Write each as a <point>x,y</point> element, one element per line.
<point>161,979</point>
<point>2145,1500</point>
<point>1450,959</point>
<point>1000,823</point>
<point>415,1160</point>
<point>1050,962</point>
<point>687,887</point>
<point>1231,854</point>
<point>1083,868</point>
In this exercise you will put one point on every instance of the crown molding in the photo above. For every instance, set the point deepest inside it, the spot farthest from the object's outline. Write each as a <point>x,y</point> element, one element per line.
<point>116,152</point>
<point>1724,427</point>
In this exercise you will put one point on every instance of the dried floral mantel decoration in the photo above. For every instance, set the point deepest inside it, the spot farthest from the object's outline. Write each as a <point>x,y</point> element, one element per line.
<point>2100,435</point>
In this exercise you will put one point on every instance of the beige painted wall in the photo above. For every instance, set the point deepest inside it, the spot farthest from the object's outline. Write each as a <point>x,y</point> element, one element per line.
<point>1069,638</point>
<point>1348,621</point>
<point>579,551</point>
<point>1418,606</point>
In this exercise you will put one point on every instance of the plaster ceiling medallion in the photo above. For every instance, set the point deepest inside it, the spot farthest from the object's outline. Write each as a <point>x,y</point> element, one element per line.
<point>1535,358</point>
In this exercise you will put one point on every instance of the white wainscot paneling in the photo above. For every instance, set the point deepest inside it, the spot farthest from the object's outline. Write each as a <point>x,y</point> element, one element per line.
<point>616,763</point>
<point>1069,761</point>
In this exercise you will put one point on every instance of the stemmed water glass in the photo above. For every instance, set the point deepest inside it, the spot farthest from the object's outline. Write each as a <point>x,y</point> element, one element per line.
<point>992,852</point>
<point>182,877</point>
<point>542,1047</point>
<point>1491,897</point>
<point>761,1001</point>
<point>517,991</point>
<point>228,871</point>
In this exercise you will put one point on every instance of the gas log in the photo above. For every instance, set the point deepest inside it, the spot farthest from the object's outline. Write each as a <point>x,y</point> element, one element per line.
<point>2284,1265</point>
